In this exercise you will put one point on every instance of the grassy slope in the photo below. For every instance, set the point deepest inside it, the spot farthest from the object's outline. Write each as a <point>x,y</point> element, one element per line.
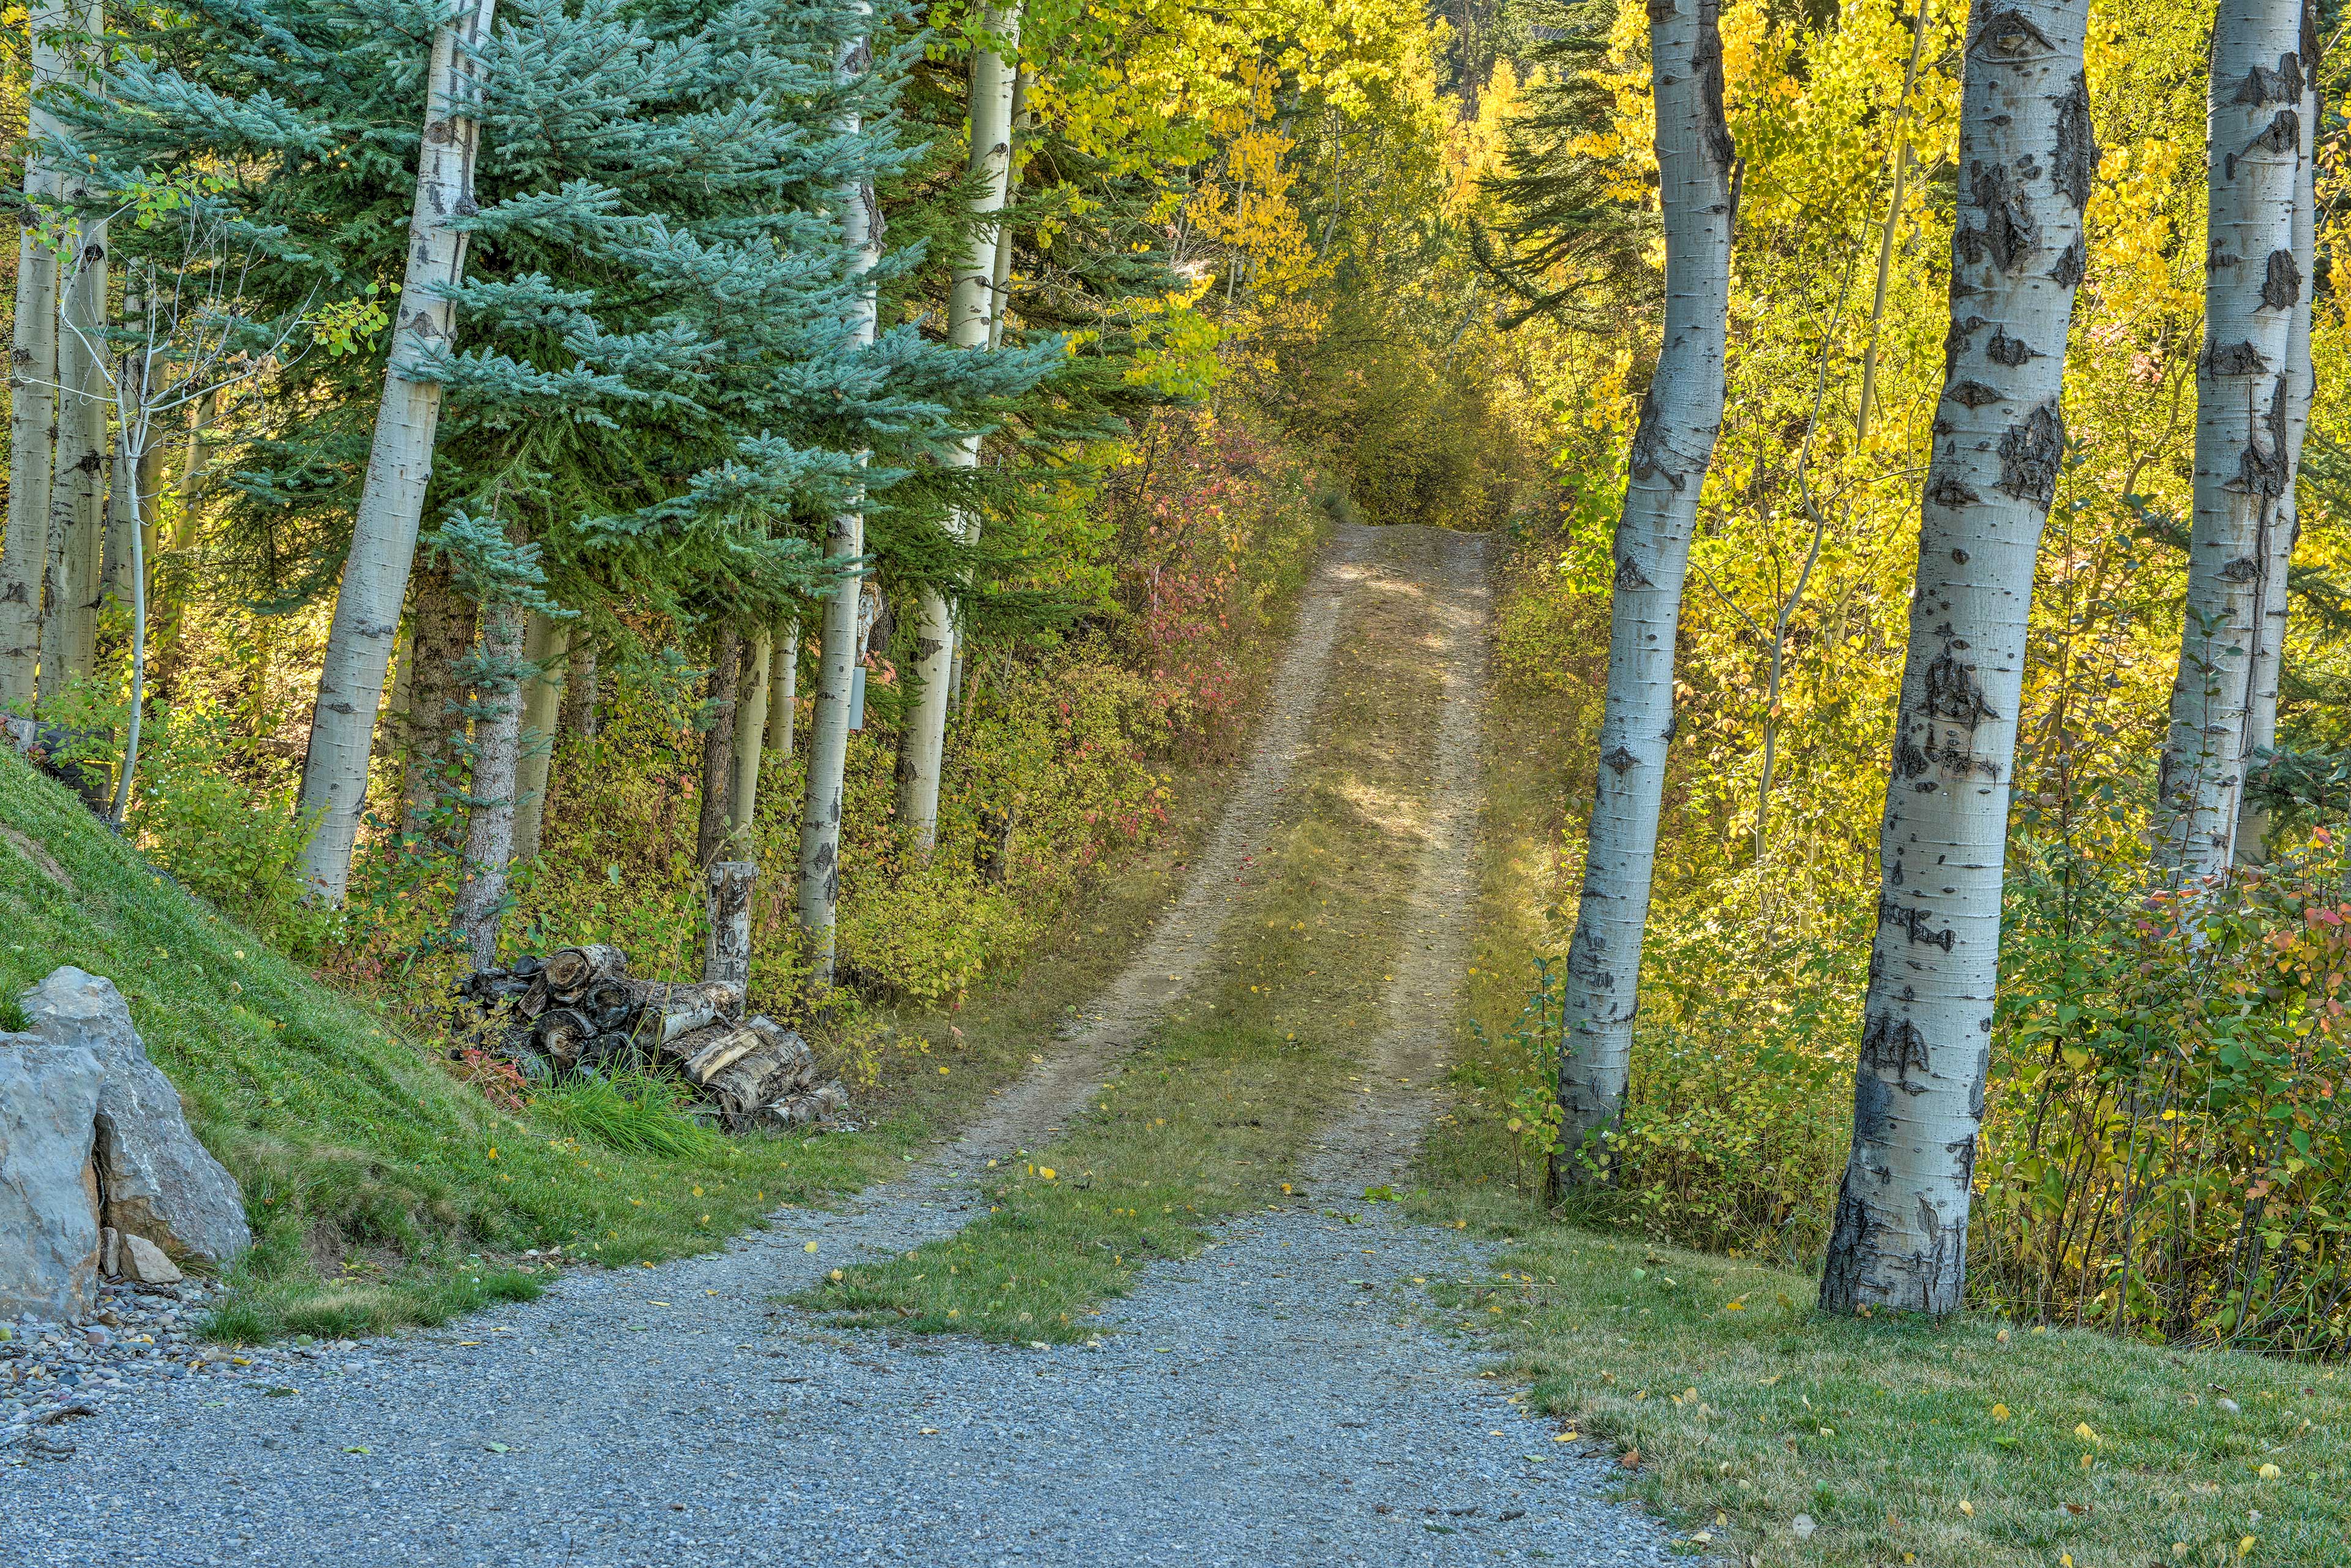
<point>1877,1430</point>
<point>381,1190</point>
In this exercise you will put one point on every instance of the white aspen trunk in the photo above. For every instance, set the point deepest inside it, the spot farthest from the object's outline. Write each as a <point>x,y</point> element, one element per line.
<point>783,702</point>
<point>32,398</point>
<point>2027,156</point>
<point>543,643</point>
<point>2252,285</point>
<point>136,389</point>
<point>77,481</point>
<point>819,857</point>
<point>127,478</point>
<point>126,497</point>
<point>750,742</point>
<point>2270,621</point>
<point>971,314</point>
<point>400,463</point>
<point>1000,294</point>
<point>490,829</point>
<point>1680,417</point>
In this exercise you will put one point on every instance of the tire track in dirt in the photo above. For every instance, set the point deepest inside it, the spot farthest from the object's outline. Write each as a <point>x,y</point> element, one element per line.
<point>1181,950</point>
<point>1377,1136</point>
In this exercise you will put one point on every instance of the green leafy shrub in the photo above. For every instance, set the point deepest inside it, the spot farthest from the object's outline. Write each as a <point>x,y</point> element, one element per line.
<point>211,828</point>
<point>1738,1109</point>
<point>1529,1054</point>
<point>2168,1148</point>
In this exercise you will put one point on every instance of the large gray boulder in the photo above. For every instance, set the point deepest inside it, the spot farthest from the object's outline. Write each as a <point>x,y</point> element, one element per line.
<point>48,1217</point>
<point>155,1179</point>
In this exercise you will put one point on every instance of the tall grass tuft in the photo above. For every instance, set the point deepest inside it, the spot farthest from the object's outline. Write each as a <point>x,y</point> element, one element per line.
<point>635,1112</point>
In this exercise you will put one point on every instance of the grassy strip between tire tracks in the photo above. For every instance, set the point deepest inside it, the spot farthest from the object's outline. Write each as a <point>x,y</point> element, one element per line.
<point>1207,1120</point>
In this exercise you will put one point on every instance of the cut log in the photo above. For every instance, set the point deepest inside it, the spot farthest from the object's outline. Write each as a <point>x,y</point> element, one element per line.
<point>671,1010</point>
<point>561,1031</point>
<point>608,1052</point>
<point>807,1109</point>
<point>612,1002</point>
<point>569,971</point>
<point>742,1090</point>
<point>720,1049</point>
<point>532,1002</point>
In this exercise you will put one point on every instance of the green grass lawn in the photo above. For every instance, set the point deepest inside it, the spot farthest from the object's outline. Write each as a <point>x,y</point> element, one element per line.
<point>1964,1443</point>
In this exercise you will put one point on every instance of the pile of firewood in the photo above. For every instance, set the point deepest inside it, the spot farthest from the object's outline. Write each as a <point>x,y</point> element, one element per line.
<point>578,1012</point>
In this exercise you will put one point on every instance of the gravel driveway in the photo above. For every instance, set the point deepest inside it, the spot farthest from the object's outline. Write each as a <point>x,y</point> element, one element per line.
<point>1284,1398</point>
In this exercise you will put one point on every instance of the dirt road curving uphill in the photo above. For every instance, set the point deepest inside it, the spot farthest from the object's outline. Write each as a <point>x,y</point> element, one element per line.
<point>1275,1400</point>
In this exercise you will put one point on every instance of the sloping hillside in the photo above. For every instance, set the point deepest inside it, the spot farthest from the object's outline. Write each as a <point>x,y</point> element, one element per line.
<point>381,1189</point>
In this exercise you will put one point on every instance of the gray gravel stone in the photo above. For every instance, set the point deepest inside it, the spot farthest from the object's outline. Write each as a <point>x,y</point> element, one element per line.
<point>1252,1406</point>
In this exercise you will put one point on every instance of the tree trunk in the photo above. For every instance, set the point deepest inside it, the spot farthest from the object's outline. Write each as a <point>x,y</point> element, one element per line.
<point>490,829</point>
<point>971,309</point>
<point>1671,451</point>
<point>726,946</point>
<point>750,742</point>
<point>2026,160</point>
<point>1000,294</point>
<point>2252,288</point>
<point>542,649</point>
<point>718,747</point>
<point>172,585</point>
<point>400,463</point>
<point>784,695</point>
<point>397,734</point>
<point>820,860</point>
<point>135,391</point>
<point>2269,620</point>
<point>77,481</point>
<point>580,688</point>
<point>126,497</point>
<point>32,398</point>
<point>443,629</point>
